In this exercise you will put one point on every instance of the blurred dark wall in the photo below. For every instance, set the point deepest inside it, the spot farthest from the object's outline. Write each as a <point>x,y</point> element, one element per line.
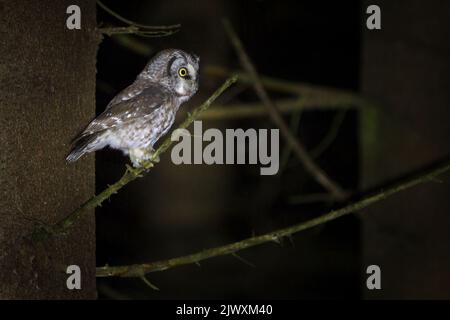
<point>406,67</point>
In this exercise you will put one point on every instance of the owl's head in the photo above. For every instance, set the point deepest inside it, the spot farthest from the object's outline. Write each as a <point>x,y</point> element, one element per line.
<point>176,70</point>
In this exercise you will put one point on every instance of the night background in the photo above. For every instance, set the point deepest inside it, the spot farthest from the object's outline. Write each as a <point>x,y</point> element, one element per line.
<point>392,124</point>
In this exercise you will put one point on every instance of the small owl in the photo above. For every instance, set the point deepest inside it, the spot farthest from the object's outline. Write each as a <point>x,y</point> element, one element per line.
<point>142,113</point>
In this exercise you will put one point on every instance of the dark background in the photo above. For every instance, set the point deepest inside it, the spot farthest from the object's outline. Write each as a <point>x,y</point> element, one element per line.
<point>177,210</point>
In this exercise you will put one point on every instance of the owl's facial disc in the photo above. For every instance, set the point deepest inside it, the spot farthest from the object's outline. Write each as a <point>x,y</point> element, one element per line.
<point>186,79</point>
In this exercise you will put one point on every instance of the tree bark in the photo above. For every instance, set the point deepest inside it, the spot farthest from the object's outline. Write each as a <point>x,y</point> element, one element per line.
<point>47,94</point>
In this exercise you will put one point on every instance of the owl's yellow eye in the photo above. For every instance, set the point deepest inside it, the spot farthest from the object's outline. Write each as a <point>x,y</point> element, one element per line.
<point>182,72</point>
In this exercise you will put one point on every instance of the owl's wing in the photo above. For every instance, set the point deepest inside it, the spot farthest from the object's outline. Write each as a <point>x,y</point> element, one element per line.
<point>128,93</point>
<point>124,112</point>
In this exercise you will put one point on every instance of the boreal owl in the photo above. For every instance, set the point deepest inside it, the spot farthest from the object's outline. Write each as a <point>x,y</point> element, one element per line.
<point>143,112</point>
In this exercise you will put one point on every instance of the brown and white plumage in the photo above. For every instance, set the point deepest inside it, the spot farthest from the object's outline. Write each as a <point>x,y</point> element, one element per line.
<point>142,113</point>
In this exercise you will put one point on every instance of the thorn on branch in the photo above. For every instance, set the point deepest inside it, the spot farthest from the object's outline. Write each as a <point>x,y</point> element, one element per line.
<point>245,261</point>
<point>277,240</point>
<point>148,283</point>
<point>291,240</point>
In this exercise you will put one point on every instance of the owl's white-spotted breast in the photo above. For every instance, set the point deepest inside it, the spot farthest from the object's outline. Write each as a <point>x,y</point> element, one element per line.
<point>142,113</point>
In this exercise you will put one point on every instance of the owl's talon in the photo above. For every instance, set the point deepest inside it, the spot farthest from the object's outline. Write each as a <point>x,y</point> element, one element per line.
<point>148,155</point>
<point>129,168</point>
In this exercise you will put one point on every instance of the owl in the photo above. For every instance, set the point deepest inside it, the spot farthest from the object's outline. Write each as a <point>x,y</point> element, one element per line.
<point>143,112</point>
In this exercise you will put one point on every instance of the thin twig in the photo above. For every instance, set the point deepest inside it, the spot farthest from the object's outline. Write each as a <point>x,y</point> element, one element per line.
<point>330,136</point>
<point>323,145</point>
<point>148,283</point>
<point>243,260</point>
<point>136,28</point>
<point>290,87</point>
<point>130,22</point>
<point>321,94</point>
<point>138,270</point>
<point>251,110</point>
<point>310,166</point>
<point>294,125</point>
<point>129,175</point>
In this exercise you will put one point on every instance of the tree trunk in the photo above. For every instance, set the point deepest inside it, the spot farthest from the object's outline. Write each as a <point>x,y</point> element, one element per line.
<point>47,94</point>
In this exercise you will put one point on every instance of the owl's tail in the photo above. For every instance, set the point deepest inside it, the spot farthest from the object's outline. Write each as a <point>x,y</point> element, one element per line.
<point>82,145</point>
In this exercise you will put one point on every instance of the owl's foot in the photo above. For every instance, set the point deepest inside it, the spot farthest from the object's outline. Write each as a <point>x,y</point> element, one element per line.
<point>149,155</point>
<point>138,156</point>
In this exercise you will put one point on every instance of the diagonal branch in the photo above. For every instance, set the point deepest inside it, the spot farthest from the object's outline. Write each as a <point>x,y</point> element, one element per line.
<point>310,166</point>
<point>138,270</point>
<point>129,175</point>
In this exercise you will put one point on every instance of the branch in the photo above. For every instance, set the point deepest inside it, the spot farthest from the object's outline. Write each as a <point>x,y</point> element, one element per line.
<point>250,110</point>
<point>330,136</point>
<point>294,124</point>
<point>138,270</point>
<point>296,88</point>
<point>136,28</point>
<point>323,94</point>
<point>129,175</point>
<point>310,166</point>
